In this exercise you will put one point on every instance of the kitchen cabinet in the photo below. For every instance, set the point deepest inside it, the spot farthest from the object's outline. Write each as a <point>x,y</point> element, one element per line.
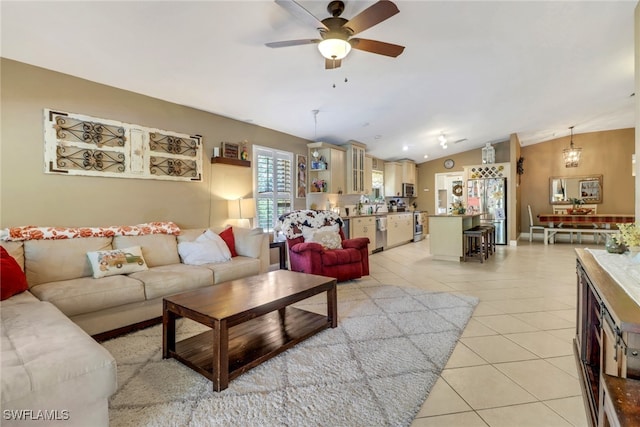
<point>356,169</point>
<point>364,226</point>
<point>377,164</point>
<point>399,229</point>
<point>607,343</point>
<point>326,174</point>
<point>392,179</point>
<point>368,175</point>
<point>409,173</point>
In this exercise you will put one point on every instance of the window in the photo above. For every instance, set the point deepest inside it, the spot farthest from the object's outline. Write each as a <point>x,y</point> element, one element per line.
<point>273,183</point>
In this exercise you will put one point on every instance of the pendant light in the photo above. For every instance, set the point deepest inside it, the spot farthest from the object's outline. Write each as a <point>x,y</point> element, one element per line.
<point>488,154</point>
<point>571,155</point>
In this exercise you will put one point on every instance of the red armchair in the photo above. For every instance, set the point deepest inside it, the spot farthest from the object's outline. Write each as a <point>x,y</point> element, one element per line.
<point>308,256</point>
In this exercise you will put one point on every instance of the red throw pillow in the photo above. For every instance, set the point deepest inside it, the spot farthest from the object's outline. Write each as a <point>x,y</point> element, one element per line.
<point>230,240</point>
<point>12,278</point>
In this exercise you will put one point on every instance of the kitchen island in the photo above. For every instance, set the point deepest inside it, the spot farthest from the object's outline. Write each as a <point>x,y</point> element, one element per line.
<point>445,235</point>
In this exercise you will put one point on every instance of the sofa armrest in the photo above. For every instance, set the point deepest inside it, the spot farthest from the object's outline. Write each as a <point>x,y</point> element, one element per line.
<point>356,243</point>
<point>307,246</point>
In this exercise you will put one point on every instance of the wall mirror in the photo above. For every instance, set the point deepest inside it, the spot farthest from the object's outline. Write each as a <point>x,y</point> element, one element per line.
<point>586,188</point>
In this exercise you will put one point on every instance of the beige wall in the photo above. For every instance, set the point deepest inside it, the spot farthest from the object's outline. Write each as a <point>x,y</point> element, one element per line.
<point>425,187</point>
<point>637,92</point>
<point>603,153</point>
<point>28,196</point>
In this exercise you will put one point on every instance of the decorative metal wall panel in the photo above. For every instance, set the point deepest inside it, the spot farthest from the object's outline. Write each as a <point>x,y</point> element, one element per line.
<point>84,145</point>
<point>91,132</point>
<point>71,158</point>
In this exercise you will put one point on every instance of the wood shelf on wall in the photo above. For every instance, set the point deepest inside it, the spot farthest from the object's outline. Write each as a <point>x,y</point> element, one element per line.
<point>229,161</point>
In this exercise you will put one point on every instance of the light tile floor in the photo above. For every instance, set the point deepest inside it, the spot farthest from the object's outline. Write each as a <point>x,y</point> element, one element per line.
<point>513,365</point>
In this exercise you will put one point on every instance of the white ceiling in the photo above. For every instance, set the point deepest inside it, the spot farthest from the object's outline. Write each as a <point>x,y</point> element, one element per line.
<point>474,70</point>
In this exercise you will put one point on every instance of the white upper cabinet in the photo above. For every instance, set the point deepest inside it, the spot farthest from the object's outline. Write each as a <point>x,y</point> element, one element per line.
<point>392,179</point>
<point>409,174</point>
<point>356,169</point>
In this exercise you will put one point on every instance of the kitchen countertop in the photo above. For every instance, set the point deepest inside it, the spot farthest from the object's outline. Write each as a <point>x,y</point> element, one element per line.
<point>378,214</point>
<point>457,216</point>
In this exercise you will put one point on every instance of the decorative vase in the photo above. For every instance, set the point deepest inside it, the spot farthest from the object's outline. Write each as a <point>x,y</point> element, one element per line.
<point>613,247</point>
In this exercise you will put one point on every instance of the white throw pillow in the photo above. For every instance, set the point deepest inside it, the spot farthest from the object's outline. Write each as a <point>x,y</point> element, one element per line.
<point>308,232</point>
<point>208,248</point>
<point>329,239</point>
<point>117,261</point>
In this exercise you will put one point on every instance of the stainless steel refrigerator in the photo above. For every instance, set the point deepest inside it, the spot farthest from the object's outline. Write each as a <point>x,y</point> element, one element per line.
<point>488,196</point>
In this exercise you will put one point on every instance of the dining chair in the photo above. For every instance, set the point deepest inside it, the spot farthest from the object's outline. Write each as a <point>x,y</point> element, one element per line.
<point>532,226</point>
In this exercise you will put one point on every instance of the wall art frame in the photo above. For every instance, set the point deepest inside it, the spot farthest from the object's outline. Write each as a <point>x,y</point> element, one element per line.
<point>77,144</point>
<point>230,150</point>
<point>301,176</point>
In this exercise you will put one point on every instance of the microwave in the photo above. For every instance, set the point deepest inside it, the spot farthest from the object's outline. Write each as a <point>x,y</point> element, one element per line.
<point>407,190</point>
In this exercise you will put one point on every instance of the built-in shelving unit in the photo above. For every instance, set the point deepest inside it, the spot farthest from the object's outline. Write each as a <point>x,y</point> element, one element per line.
<point>229,161</point>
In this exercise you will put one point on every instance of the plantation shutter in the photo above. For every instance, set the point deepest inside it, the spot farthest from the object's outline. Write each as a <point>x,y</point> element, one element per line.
<point>273,182</point>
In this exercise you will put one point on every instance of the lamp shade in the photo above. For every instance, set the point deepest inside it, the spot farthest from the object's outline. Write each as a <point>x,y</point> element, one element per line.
<point>334,48</point>
<point>242,208</point>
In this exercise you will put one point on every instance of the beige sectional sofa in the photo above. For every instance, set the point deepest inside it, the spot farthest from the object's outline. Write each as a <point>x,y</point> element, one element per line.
<point>49,361</point>
<point>58,272</point>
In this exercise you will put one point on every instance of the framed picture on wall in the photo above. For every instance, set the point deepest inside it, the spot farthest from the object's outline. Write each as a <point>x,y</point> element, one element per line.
<point>301,176</point>
<point>230,150</point>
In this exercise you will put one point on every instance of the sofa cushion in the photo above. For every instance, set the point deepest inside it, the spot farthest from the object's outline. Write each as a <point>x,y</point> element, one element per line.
<point>190,234</point>
<point>46,354</point>
<point>157,249</point>
<point>16,250</point>
<point>116,261</point>
<point>172,279</point>
<point>86,294</point>
<point>55,260</point>
<point>248,241</point>
<point>12,278</point>
<point>237,268</point>
<point>20,298</point>
<point>341,256</point>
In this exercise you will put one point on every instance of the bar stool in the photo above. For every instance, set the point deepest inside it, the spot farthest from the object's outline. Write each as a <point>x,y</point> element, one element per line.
<point>491,240</point>
<point>473,244</point>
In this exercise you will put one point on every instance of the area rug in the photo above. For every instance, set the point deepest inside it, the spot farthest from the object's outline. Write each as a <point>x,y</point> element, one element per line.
<point>375,369</point>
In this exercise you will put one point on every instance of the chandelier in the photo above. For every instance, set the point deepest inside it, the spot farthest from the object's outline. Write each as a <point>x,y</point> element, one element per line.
<point>571,155</point>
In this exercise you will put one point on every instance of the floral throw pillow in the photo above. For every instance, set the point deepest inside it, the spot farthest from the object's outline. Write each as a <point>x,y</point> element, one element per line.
<point>117,261</point>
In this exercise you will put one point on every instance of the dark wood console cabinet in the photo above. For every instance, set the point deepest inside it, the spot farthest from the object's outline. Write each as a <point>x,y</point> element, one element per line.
<point>607,342</point>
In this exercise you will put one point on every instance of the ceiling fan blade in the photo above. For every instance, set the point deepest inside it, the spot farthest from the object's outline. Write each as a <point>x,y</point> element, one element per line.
<point>374,46</point>
<point>371,16</point>
<point>330,64</point>
<point>288,43</point>
<point>302,14</point>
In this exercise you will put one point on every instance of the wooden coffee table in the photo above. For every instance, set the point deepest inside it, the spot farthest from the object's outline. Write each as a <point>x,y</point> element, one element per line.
<point>251,321</point>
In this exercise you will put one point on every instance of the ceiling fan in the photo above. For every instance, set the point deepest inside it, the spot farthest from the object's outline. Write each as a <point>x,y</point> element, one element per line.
<point>336,33</point>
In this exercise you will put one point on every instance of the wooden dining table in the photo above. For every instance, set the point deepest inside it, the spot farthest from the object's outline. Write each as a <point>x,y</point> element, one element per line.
<point>596,224</point>
<point>596,220</point>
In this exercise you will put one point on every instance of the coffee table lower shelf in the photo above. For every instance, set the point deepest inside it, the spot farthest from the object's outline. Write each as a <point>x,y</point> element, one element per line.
<point>252,342</point>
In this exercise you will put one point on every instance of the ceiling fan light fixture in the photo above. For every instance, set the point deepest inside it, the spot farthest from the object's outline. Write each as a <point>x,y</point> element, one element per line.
<point>334,48</point>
